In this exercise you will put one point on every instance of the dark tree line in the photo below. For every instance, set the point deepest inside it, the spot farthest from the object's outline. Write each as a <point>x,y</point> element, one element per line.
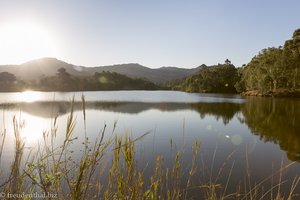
<point>63,81</point>
<point>220,78</point>
<point>7,81</point>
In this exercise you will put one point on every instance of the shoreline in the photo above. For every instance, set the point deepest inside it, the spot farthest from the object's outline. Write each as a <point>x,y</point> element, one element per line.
<point>274,93</point>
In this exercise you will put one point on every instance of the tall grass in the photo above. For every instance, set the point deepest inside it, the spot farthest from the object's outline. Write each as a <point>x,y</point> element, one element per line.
<point>53,169</point>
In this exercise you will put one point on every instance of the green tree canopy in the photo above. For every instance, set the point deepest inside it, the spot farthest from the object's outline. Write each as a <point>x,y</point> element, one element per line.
<point>273,69</point>
<point>213,79</point>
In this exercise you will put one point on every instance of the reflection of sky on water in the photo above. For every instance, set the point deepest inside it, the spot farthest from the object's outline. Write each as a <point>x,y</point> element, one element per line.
<point>118,96</point>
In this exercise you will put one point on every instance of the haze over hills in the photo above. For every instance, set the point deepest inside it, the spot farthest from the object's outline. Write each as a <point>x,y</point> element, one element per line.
<point>36,69</point>
<point>159,75</point>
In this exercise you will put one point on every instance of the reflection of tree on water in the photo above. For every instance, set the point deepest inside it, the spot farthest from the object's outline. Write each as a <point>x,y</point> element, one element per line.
<point>277,121</point>
<point>225,111</point>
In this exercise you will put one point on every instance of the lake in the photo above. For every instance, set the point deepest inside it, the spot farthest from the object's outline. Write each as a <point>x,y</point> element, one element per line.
<point>242,140</point>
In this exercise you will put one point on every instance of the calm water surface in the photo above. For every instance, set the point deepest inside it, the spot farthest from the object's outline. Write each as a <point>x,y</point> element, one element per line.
<point>230,129</point>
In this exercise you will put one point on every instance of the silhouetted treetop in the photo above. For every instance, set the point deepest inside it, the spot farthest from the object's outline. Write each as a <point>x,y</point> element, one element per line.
<point>6,77</point>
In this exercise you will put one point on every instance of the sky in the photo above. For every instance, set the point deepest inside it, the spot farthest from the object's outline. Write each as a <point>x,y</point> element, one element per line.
<point>153,33</point>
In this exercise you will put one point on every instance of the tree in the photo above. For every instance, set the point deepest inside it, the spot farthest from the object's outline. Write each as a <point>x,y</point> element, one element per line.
<point>7,78</point>
<point>227,62</point>
<point>65,81</point>
<point>292,58</point>
<point>273,68</point>
<point>7,81</point>
<point>63,74</point>
<point>217,78</point>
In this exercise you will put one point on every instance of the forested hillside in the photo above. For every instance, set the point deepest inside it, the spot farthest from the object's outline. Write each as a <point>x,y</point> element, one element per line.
<point>36,69</point>
<point>219,78</point>
<point>273,70</point>
<point>133,70</point>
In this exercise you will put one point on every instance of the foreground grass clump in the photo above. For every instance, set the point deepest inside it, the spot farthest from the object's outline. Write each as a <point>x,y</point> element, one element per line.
<point>107,168</point>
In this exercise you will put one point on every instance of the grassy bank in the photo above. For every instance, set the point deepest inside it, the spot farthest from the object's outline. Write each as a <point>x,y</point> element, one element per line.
<point>108,168</point>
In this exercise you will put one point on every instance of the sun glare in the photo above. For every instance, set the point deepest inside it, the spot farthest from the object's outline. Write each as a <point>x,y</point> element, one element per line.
<point>29,96</point>
<point>22,41</point>
<point>33,128</point>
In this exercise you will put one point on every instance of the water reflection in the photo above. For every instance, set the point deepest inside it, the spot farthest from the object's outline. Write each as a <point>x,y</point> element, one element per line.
<point>222,126</point>
<point>223,111</point>
<point>276,121</point>
<point>32,127</point>
<point>29,96</point>
<point>273,120</point>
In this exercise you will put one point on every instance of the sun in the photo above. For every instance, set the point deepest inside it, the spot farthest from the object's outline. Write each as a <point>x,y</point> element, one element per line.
<point>21,41</point>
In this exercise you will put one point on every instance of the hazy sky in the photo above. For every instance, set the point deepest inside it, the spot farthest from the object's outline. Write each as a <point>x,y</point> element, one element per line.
<point>153,33</point>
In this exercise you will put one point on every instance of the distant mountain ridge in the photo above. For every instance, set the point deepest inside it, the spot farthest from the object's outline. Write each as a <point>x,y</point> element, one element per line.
<point>36,69</point>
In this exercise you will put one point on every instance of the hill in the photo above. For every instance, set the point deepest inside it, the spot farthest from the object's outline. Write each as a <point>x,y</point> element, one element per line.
<point>37,69</point>
<point>159,75</point>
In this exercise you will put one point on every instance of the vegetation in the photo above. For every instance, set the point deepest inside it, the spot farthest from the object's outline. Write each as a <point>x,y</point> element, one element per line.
<point>63,81</point>
<point>273,70</point>
<point>115,81</point>
<point>54,169</point>
<point>214,79</point>
<point>7,81</point>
